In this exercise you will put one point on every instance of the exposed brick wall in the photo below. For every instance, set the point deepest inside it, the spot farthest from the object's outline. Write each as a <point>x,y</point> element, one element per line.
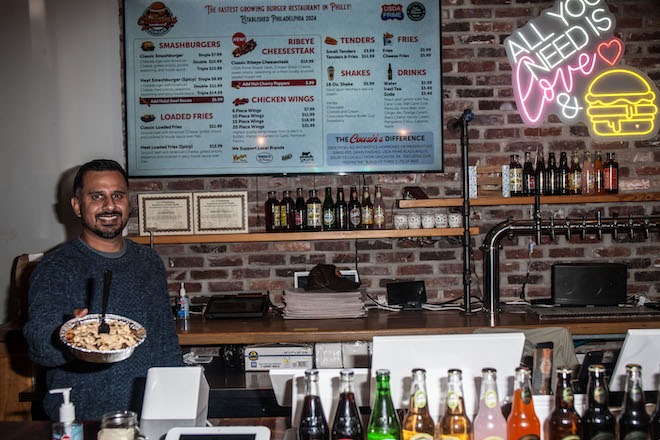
<point>476,75</point>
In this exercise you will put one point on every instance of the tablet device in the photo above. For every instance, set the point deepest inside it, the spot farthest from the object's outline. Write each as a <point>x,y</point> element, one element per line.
<point>244,305</point>
<point>219,433</point>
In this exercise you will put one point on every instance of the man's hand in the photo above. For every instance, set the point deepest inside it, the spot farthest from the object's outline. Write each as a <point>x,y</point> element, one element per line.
<point>79,313</point>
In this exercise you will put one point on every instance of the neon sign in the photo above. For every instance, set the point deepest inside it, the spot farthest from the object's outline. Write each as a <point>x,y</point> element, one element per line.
<point>565,62</point>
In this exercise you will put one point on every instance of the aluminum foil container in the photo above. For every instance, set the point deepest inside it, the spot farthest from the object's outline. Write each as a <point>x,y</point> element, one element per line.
<point>102,356</point>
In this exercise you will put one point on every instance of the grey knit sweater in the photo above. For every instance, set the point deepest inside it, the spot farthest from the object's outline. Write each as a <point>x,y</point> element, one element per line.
<point>71,277</point>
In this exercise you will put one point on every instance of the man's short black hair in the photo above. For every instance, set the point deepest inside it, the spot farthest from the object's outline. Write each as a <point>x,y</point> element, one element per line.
<point>96,165</point>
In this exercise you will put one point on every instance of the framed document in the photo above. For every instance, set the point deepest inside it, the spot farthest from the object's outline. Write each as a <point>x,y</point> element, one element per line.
<point>221,212</point>
<point>166,213</point>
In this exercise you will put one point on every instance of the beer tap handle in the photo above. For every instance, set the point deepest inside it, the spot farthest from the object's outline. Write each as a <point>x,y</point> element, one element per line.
<point>631,227</point>
<point>615,226</point>
<point>552,228</point>
<point>583,228</point>
<point>568,229</point>
<point>647,225</point>
<point>599,226</point>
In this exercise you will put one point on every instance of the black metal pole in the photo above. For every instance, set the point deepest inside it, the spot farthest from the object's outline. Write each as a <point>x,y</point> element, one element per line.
<point>467,239</point>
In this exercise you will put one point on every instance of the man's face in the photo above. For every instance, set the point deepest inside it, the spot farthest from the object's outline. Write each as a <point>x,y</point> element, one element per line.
<point>102,204</point>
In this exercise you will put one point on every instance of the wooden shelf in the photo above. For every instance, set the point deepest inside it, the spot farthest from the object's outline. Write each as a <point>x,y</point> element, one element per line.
<point>545,200</point>
<point>302,236</point>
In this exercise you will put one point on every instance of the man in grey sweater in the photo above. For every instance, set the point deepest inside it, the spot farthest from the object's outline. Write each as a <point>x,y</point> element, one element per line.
<point>68,282</point>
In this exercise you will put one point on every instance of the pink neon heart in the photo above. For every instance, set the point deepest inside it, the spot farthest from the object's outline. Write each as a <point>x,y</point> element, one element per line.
<point>610,51</point>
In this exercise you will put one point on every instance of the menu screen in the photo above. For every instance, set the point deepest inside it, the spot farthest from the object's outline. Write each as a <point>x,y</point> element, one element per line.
<point>282,87</point>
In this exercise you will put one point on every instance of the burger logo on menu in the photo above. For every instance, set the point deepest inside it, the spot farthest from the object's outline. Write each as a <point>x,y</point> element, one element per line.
<point>157,19</point>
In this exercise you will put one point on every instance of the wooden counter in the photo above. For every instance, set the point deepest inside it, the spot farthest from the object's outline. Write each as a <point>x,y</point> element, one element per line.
<point>272,328</point>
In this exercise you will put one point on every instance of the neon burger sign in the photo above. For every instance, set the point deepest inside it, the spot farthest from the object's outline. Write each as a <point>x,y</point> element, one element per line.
<point>566,62</point>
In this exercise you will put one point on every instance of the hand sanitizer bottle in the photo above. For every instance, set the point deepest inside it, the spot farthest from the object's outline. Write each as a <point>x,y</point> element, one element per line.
<point>67,428</point>
<point>183,303</point>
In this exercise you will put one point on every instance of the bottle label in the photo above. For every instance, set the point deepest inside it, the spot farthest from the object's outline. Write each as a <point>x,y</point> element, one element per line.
<point>636,435</point>
<point>284,220</point>
<point>355,216</point>
<point>530,437</point>
<point>602,435</point>
<point>571,437</point>
<point>379,216</point>
<point>567,395</point>
<point>419,399</point>
<point>490,399</point>
<point>421,436</point>
<point>492,437</point>
<point>367,216</point>
<point>449,437</point>
<point>314,215</point>
<point>526,395</point>
<point>635,394</point>
<point>452,400</point>
<point>328,217</point>
<point>600,395</point>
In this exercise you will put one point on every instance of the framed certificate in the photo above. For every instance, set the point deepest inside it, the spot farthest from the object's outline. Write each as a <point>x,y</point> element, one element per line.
<point>166,213</point>
<point>221,212</point>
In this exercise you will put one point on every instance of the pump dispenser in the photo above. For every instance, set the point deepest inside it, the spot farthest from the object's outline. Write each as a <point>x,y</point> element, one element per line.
<point>67,428</point>
<point>183,309</point>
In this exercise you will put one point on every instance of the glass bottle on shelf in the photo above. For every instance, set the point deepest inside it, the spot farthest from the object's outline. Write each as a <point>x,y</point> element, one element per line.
<point>383,422</point>
<point>341,210</point>
<point>348,423</point>
<point>528,176</point>
<point>272,213</point>
<point>300,211</point>
<point>634,421</point>
<point>576,175</point>
<point>588,180</point>
<point>313,425</point>
<point>563,175</point>
<point>314,210</point>
<point>366,209</point>
<point>354,211</point>
<point>599,174</point>
<point>418,423</point>
<point>611,174</point>
<point>328,210</point>
<point>540,174</point>
<point>523,422</point>
<point>489,423</point>
<point>598,422</point>
<point>380,221</point>
<point>655,419</point>
<point>564,421</point>
<point>515,176</point>
<point>455,424</point>
<point>287,212</point>
<point>551,174</point>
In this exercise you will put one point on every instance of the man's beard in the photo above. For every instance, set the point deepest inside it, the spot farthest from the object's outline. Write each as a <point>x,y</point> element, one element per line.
<point>105,233</point>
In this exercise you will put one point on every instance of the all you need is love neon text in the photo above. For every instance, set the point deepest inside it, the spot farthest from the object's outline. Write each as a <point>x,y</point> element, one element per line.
<point>567,62</point>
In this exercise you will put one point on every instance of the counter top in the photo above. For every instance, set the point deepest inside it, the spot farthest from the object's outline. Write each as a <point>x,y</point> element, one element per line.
<point>273,328</point>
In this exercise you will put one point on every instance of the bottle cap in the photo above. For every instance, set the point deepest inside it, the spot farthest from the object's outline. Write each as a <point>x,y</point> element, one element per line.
<point>182,290</point>
<point>67,410</point>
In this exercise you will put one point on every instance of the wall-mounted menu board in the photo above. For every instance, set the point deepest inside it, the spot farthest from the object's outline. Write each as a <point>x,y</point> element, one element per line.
<point>282,86</point>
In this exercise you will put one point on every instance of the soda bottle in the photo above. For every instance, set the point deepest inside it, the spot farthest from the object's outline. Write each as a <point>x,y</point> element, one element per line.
<point>489,423</point>
<point>313,425</point>
<point>540,175</point>
<point>272,211</point>
<point>300,211</point>
<point>379,210</point>
<point>634,422</point>
<point>563,175</point>
<point>655,419</point>
<point>418,424</point>
<point>383,422</point>
<point>347,424</point>
<point>515,176</point>
<point>599,174</point>
<point>564,421</point>
<point>366,209</point>
<point>576,176</point>
<point>454,424</point>
<point>522,422</point>
<point>588,180</point>
<point>354,211</point>
<point>313,211</point>
<point>598,421</point>
<point>341,210</point>
<point>328,210</point>
<point>528,176</point>
<point>611,174</point>
<point>287,212</point>
<point>551,185</point>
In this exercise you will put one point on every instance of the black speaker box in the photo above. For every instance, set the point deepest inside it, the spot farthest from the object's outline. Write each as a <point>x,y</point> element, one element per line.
<point>589,284</point>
